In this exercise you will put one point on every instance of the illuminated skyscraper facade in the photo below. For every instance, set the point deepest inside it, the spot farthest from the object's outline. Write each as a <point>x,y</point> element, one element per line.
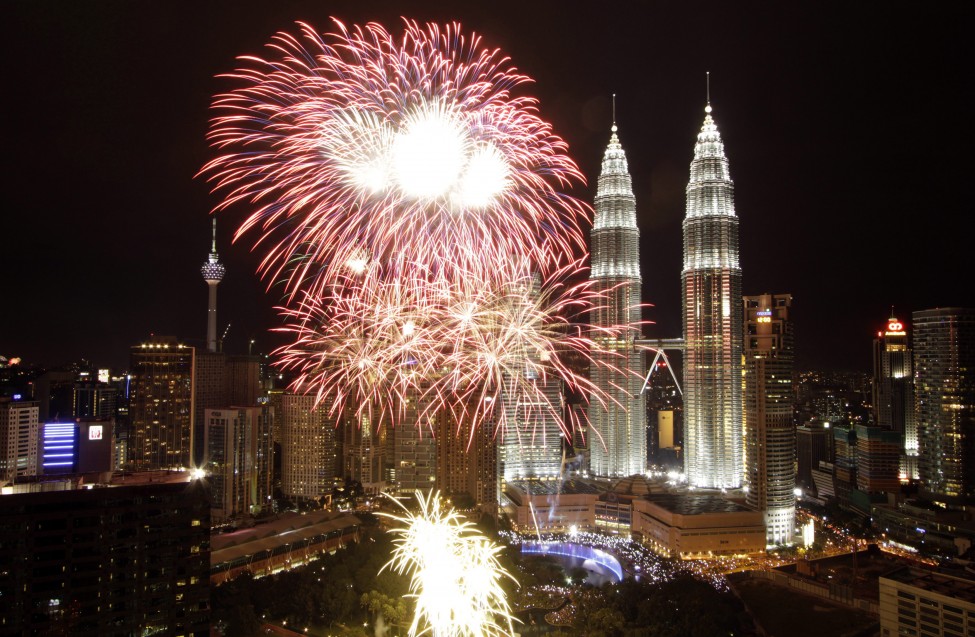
<point>618,435</point>
<point>161,405</point>
<point>893,390</point>
<point>711,282</point>
<point>944,392</point>
<point>769,432</point>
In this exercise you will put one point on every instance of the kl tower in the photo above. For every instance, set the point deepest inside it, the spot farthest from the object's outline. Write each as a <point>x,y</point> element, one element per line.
<point>213,272</point>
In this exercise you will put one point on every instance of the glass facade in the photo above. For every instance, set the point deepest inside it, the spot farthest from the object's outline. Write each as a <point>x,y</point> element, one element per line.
<point>944,386</point>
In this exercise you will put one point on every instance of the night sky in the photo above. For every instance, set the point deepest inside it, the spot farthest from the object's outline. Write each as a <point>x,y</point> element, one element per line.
<point>849,141</point>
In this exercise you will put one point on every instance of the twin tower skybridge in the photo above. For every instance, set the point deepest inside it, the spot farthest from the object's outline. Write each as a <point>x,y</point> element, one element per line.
<point>660,346</point>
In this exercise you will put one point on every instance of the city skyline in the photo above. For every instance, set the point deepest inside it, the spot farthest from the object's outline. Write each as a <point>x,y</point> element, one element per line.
<point>837,123</point>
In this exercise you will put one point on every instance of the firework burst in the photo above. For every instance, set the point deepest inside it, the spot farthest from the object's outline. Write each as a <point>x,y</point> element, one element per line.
<point>358,144</point>
<point>455,575</point>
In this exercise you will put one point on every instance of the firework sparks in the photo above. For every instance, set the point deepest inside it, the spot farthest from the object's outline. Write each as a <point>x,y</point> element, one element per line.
<point>455,574</point>
<point>470,345</point>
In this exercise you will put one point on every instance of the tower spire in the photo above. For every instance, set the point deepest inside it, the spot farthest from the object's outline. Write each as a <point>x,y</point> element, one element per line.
<point>707,109</point>
<point>614,113</point>
<point>213,246</point>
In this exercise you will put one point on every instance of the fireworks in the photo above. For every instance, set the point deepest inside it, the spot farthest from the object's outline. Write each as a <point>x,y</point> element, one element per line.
<point>359,143</point>
<point>454,572</point>
<point>410,205</point>
<point>470,344</point>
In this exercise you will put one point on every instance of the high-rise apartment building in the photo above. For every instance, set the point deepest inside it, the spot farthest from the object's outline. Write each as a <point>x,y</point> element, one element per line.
<point>239,460</point>
<point>618,436</point>
<point>711,291</point>
<point>944,393</point>
<point>414,449</point>
<point>467,460</point>
<point>364,450</point>
<point>769,431</point>
<point>893,390</point>
<point>19,439</point>
<point>161,404</point>
<point>310,452</point>
<point>106,562</point>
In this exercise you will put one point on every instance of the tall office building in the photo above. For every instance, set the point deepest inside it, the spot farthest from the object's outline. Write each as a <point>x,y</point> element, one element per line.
<point>310,458</point>
<point>239,454</point>
<point>944,392</point>
<point>813,442</point>
<point>19,439</point>
<point>618,435</point>
<point>210,391</point>
<point>161,404</point>
<point>878,459</point>
<point>532,438</point>
<point>893,390</point>
<point>769,432</point>
<point>711,291</point>
<point>244,380</point>
<point>94,400</point>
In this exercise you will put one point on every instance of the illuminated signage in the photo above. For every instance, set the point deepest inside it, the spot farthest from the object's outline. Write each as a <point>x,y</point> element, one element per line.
<point>763,316</point>
<point>764,319</point>
<point>59,445</point>
<point>895,328</point>
<point>764,313</point>
<point>95,432</point>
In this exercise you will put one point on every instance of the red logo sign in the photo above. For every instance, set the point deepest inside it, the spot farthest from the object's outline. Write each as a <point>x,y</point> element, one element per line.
<point>895,326</point>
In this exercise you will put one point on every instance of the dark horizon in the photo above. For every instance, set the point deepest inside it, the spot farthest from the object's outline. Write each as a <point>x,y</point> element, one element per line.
<point>844,127</point>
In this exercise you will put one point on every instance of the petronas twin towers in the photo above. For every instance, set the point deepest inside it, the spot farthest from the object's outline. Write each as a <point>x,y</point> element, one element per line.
<point>621,421</point>
<point>712,321</point>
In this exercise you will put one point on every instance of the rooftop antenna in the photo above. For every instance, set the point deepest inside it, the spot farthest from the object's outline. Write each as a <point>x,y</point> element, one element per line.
<point>707,109</point>
<point>614,112</point>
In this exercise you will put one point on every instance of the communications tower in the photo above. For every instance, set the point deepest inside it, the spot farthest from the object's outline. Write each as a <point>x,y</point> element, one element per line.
<point>213,272</point>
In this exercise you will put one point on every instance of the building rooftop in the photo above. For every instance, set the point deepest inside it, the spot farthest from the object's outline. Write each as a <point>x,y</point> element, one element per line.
<point>555,487</point>
<point>288,529</point>
<point>693,504</point>
<point>957,585</point>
